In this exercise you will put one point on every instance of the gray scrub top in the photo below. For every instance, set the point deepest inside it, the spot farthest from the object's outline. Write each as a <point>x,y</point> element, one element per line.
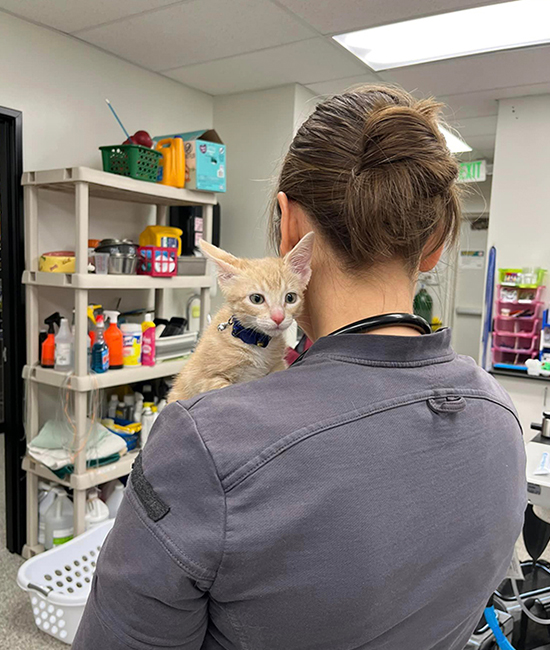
<point>368,497</point>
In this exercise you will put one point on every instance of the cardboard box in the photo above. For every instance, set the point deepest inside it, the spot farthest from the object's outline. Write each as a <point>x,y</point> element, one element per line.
<point>205,160</point>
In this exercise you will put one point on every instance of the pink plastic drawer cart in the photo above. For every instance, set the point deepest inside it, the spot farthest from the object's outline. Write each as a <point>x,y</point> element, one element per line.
<point>518,317</point>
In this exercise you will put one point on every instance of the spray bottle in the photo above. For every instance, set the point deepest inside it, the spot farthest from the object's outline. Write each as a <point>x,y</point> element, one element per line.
<point>42,336</point>
<point>148,350</point>
<point>48,346</point>
<point>91,312</point>
<point>113,338</point>
<point>64,347</point>
<point>100,351</point>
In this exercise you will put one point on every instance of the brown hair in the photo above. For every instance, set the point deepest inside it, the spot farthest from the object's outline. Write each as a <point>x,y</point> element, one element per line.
<point>373,172</point>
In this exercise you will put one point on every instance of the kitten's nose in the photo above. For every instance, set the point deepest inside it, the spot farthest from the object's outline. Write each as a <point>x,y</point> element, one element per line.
<point>277,317</point>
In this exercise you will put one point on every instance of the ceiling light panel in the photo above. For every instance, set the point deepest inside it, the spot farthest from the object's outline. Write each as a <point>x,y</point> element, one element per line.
<point>503,26</point>
<point>454,143</point>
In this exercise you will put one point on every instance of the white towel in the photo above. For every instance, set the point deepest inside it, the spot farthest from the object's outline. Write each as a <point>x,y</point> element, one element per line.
<point>52,446</point>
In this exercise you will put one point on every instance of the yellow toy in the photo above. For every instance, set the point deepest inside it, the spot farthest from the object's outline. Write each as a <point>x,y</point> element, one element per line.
<point>162,236</point>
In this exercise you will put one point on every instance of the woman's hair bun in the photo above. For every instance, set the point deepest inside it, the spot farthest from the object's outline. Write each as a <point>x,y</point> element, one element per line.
<point>373,172</point>
<point>406,139</point>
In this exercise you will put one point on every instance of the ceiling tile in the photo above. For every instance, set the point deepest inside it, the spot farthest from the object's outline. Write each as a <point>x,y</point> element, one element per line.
<point>305,62</point>
<point>336,86</point>
<point>462,106</point>
<point>473,73</point>
<point>476,126</point>
<point>197,31</point>
<point>78,14</point>
<point>337,16</point>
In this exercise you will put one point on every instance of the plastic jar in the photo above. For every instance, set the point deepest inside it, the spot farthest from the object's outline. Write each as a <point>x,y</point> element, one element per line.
<point>131,344</point>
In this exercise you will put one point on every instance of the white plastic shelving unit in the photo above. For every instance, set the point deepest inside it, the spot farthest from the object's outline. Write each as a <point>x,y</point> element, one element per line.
<point>86,183</point>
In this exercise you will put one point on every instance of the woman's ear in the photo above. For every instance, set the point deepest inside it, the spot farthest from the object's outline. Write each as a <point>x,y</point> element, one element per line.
<point>290,228</point>
<point>227,264</point>
<point>299,258</point>
<point>430,261</point>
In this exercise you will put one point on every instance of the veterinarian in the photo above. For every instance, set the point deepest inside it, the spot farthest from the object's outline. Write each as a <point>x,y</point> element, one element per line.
<point>370,496</point>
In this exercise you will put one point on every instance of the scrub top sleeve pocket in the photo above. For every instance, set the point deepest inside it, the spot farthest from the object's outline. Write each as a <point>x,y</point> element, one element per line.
<point>150,588</point>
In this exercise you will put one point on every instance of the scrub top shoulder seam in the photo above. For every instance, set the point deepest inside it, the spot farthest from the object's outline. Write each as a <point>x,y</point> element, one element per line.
<point>251,466</point>
<point>189,566</point>
<point>213,461</point>
<point>390,364</point>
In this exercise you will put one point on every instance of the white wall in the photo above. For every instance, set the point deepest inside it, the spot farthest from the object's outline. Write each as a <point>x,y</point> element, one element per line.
<point>519,226</point>
<point>257,128</point>
<point>60,84</point>
<point>305,102</point>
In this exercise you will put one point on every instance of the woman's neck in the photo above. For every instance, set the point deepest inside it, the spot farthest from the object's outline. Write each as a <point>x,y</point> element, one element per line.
<point>335,298</point>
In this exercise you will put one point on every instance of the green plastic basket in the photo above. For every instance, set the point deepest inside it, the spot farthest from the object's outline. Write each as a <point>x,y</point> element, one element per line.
<point>539,280</point>
<point>132,160</point>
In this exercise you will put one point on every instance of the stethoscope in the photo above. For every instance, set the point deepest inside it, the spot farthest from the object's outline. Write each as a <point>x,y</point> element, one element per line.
<point>376,322</point>
<point>385,320</point>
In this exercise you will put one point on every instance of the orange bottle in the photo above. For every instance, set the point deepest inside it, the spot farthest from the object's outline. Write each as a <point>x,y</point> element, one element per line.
<point>113,338</point>
<point>172,164</point>
<point>47,358</point>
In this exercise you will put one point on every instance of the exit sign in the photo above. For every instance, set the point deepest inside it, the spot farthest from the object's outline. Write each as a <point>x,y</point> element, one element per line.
<point>472,172</point>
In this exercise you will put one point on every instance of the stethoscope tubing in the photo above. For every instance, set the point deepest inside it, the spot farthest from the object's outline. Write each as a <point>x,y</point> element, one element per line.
<point>377,322</point>
<point>385,320</point>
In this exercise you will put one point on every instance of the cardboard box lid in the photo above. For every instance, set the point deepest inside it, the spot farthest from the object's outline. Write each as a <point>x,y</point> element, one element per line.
<point>208,135</point>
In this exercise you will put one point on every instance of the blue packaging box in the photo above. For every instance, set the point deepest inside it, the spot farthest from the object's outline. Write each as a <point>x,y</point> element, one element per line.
<point>205,160</point>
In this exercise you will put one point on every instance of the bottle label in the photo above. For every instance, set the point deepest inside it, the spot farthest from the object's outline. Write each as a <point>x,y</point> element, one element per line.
<point>105,359</point>
<point>62,535</point>
<point>132,349</point>
<point>63,354</point>
<point>148,347</point>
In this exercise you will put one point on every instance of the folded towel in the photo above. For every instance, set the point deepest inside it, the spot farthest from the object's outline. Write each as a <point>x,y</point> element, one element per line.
<point>90,464</point>
<point>53,446</point>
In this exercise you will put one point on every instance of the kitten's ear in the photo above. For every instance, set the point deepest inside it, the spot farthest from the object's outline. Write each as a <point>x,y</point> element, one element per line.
<point>226,263</point>
<point>299,258</point>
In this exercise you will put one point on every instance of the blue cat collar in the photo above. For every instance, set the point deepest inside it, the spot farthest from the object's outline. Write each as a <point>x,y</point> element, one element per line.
<point>250,336</point>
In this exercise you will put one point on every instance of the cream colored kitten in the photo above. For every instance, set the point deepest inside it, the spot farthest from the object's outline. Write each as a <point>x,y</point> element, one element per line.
<point>245,340</point>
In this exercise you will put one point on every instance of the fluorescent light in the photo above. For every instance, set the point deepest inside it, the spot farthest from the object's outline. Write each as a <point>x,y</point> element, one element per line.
<point>455,144</point>
<point>460,33</point>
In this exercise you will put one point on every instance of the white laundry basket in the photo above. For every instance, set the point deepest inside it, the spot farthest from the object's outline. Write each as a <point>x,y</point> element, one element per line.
<point>58,582</point>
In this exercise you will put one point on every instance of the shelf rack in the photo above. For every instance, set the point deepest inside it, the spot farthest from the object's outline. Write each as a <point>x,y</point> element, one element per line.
<point>84,184</point>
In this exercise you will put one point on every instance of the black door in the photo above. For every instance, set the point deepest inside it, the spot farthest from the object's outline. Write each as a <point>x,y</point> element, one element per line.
<point>12,323</point>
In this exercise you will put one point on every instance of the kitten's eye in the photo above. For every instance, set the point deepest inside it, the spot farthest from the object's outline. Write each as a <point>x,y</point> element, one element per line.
<point>256,298</point>
<point>291,297</point>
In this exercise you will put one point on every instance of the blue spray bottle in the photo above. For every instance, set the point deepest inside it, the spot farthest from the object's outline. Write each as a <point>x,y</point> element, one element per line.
<point>100,350</point>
